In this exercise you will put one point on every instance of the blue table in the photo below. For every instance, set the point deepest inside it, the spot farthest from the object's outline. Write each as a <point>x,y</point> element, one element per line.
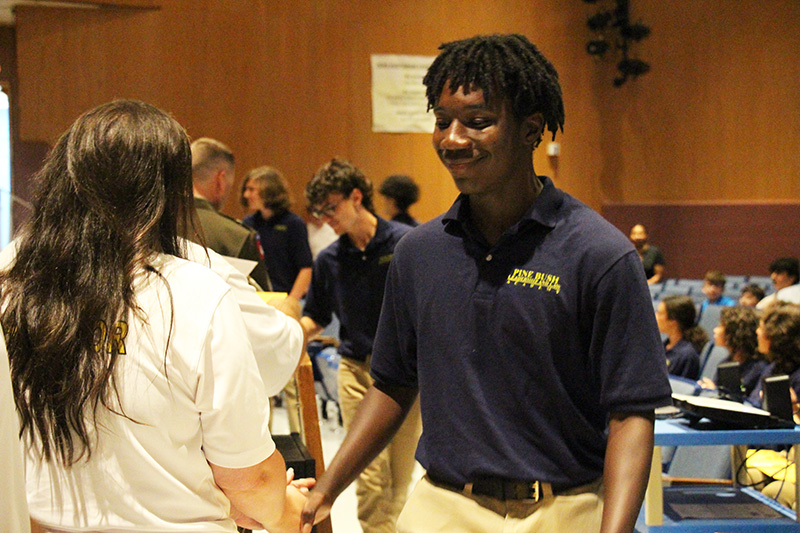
<point>678,433</point>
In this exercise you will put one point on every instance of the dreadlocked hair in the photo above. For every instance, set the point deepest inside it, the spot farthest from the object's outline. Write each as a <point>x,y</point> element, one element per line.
<point>502,66</point>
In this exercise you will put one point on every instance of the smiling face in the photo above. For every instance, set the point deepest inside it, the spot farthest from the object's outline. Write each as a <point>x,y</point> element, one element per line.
<point>485,148</point>
<point>253,197</point>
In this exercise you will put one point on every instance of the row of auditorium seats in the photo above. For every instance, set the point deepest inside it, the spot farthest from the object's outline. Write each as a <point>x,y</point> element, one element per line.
<point>694,287</point>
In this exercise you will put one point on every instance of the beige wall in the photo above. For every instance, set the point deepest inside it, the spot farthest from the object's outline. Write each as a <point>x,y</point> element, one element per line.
<point>288,84</point>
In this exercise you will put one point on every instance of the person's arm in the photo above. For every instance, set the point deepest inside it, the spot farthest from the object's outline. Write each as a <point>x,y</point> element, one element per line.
<point>277,339</point>
<point>301,283</point>
<point>310,328</point>
<point>658,274</point>
<point>261,493</point>
<point>300,257</point>
<point>626,469</point>
<point>377,419</point>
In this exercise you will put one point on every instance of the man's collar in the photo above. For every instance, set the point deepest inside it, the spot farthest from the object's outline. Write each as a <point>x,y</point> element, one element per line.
<point>543,210</point>
<point>202,203</point>
<point>382,234</point>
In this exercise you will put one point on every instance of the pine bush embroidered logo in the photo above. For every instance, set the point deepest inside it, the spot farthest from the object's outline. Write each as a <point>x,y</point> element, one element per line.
<point>533,279</point>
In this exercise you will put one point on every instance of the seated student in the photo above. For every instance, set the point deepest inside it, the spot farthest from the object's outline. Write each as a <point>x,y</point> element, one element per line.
<point>785,274</point>
<point>675,317</point>
<point>139,396</point>
<point>713,288</point>
<point>652,258</point>
<point>752,293</point>
<point>779,341</point>
<point>737,332</point>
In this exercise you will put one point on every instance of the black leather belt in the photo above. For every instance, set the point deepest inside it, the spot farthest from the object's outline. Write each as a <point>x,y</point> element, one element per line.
<point>500,489</point>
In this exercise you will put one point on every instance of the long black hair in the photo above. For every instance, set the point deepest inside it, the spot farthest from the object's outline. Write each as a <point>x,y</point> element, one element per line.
<point>681,309</point>
<point>114,191</point>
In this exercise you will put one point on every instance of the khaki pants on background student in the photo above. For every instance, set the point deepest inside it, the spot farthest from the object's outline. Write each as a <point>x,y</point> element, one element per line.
<point>382,488</point>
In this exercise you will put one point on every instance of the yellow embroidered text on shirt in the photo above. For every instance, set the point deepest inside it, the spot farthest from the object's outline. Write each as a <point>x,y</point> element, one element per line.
<point>531,278</point>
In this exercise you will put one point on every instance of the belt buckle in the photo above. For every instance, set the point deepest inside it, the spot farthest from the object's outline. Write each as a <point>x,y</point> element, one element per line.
<point>533,492</point>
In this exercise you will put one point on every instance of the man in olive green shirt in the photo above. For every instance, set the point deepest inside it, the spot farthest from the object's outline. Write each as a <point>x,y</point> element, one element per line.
<point>213,171</point>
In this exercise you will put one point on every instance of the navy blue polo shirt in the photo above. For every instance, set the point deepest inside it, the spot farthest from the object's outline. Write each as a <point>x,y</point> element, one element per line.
<point>284,239</point>
<point>522,349</point>
<point>350,283</point>
<point>683,361</point>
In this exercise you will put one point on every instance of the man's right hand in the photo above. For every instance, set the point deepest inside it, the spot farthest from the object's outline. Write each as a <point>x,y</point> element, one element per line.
<point>316,509</point>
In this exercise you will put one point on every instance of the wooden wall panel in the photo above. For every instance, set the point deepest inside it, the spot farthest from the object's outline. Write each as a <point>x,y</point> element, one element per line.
<point>288,84</point>
<point>735,237</point>
<point>716,118</point>
<point>143,4</point>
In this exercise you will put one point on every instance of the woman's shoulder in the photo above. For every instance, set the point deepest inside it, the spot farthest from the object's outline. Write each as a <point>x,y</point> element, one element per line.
<point>684,347</point>
<point>188,273</point>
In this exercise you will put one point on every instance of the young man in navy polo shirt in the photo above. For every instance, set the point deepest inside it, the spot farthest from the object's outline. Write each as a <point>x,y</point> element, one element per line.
<point>348,279</point>
<point>523,321</point>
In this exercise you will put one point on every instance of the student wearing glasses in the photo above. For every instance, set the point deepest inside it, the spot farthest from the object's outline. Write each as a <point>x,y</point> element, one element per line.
<point>348,279</point>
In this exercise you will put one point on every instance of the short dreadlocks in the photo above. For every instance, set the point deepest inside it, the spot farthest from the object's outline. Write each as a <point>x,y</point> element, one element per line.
<point>500,66</point>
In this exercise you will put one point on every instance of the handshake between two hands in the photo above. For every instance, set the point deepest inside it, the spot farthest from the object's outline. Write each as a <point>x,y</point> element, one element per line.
<point>296,494</point>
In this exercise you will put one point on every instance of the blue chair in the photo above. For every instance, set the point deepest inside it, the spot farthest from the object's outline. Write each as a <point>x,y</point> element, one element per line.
<point>700,463</point>
<point>710,318</point>
<point>655,290</point>
<point>684,385</point>
<point>717,355</point>
<point>679,290</point>
<point>704,353</point>
<point>735,282</point>
<point>695,284</point>
<point>765,282</point>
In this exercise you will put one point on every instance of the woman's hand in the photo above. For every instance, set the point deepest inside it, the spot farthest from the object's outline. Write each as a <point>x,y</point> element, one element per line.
<point>303,484</point>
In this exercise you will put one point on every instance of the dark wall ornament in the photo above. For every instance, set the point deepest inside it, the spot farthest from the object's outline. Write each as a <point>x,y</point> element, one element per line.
<point>614,36</point>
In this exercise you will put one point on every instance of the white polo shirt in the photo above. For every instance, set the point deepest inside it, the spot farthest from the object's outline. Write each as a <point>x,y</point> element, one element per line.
<point>194,399</point>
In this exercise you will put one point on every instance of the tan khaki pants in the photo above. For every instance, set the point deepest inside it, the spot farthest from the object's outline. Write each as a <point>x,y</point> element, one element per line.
<point>382,488</point>
<point>432,509</point>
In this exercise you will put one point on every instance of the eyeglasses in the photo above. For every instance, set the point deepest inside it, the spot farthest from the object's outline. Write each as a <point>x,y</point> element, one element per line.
<point>326,211</point>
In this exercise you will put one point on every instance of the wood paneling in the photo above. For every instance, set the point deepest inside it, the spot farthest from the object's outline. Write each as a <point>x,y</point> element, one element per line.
<point>145,4</point>
<point>288,84</point>
<point>734,237</point>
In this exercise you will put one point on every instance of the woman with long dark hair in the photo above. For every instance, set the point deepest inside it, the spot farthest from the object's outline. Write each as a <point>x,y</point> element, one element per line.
<point>138,393</point>
<point>676,317</point>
